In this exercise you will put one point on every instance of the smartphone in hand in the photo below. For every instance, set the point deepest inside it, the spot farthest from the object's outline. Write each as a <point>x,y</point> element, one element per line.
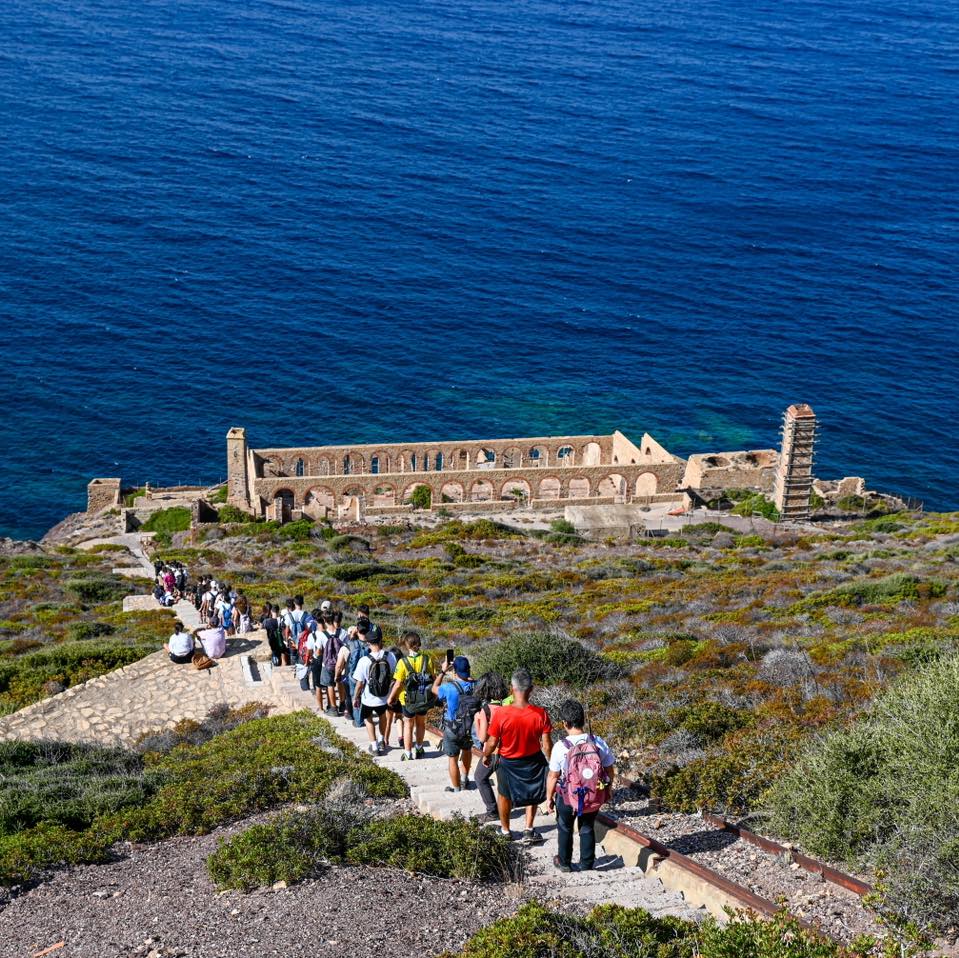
<point>449,656</point>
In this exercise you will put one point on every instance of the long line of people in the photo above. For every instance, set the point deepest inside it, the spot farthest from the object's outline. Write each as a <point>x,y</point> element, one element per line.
<point>355,677</point>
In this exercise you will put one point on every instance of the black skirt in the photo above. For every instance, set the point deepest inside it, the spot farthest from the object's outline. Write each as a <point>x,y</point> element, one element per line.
<point>523,780</point>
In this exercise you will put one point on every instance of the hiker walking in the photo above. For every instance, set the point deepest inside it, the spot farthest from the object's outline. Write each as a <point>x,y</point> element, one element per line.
<point>459,696</point>
<point>354,648</point>
<point>521,732</point>
<point>491,689</point>
<point>412,686</point>
<point>373,676</point>
<point>581,771</point>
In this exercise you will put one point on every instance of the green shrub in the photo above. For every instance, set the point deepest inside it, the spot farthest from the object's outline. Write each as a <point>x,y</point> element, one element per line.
<point>174,519</point>
<point>231,514</point>
<point>612,931</point>
<point>757,504</point>
<point>298,531</point>
<point>884,793</point>
<point>563,526</point>
<point>220,495</point>
<point>190,789</point>
<point>457,531</point>
<point>422,497</point>
<point>354,571</point>
<point>898,587</point>
<point>83,631</point>
<point>551,658</point>
<point>710,721</point>
<point>295,846</point>
<point>93,591</point>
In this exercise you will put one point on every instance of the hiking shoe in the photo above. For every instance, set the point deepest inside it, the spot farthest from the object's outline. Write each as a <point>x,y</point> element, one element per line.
<point>489,818</point>
<point>532,837</point>
<point>406,757</point>
<point>559,865</point>
<point>420,751</point>
<point>329,711</point>
<point>451,788</point>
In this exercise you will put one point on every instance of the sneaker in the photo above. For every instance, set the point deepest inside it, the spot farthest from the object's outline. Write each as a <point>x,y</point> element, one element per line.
<point>489,818</point>
<point>451,788</point>
<point>559,865</point>
<point>532,837</point>
<point>466,783</point>
<point>381,748</point>
<point>371,748</point>
<point>420,751</point>
<point>406,757</point>
<point>330,711</point>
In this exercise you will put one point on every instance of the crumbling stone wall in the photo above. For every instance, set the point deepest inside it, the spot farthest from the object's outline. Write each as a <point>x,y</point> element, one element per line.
<point>103,494</point>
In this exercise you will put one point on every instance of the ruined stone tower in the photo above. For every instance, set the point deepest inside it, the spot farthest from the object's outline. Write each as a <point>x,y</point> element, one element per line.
<point>236,464</point>
<point>794,475</point>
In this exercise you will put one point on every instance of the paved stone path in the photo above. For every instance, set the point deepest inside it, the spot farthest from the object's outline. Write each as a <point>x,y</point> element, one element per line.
<point>139,565</point>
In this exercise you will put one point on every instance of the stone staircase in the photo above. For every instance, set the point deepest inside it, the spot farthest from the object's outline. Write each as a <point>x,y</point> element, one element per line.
<point>612,881</point>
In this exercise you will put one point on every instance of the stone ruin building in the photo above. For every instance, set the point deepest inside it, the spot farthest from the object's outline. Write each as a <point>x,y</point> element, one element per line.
<point>545,473</point>
<point>487,475</point>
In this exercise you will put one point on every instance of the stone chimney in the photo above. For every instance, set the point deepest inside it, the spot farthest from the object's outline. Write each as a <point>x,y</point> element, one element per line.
<point>236,468</point>
<point>794,475</point>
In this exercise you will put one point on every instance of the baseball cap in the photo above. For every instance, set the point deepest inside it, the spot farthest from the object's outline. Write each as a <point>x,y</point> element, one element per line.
<point>461,665</point>
<point>326,605</point>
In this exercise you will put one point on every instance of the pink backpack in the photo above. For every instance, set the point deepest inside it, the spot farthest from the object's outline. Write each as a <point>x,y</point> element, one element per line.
<point>585,783</point>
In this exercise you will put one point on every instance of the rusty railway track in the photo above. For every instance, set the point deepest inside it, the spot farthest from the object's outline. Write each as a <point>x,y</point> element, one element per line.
<point>744,897</point>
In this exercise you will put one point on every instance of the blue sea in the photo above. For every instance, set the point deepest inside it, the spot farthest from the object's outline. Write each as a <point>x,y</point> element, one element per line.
<point>364,221</point>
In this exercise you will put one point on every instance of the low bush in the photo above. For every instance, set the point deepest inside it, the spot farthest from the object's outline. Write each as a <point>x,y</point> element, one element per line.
<point>884,793</point>
<point>231,514</point>
<point>757,504</point>
<point>24,678</point>
<point>93,591</point>
<point>297,845</point>
<point>551,657</point>
<point>174,519</point>
<point>456,531</point>
<point>83,631</point>
<point>422,497</point>
<point>103,796</point>
<point>612,931</point>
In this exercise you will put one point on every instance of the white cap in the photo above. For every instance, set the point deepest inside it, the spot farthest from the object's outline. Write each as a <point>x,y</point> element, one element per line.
<point>326,605</point>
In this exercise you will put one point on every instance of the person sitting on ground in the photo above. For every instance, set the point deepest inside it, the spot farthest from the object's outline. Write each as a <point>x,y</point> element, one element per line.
<point>491,689</point>
<point>459,695</point>
<point>180,644</point>
<point>590,760</point>
<point>521,732</point>
<point>411,674</point>
<point>373,677</point>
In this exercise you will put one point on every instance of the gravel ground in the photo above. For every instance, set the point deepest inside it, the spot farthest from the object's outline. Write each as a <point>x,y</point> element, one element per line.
<point>160,903</point>
<point>808,896</point>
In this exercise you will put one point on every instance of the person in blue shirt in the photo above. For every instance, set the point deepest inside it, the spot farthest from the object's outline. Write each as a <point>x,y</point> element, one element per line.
<point>451,690</point>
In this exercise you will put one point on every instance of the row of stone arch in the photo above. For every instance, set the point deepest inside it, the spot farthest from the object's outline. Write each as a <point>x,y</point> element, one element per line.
<point>320,497</point>
<point>455,459</point>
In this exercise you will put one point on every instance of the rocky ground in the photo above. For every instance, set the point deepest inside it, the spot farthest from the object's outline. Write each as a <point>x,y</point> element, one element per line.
<point>159,902</point>
<point>809,896</point>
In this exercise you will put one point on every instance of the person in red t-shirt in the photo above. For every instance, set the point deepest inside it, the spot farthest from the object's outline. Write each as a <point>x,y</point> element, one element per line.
<point>521,732</point>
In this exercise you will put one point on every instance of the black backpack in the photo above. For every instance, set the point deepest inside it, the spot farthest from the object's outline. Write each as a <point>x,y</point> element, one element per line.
<point>380,679</point>
<point>419,687</point>
<point>466,708</point>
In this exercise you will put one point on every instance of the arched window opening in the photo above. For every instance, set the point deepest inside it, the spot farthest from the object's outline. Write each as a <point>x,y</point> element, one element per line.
<point>375,465</point>
<point>347,466</point>
<point>439,462</point>
<point>300,467</point>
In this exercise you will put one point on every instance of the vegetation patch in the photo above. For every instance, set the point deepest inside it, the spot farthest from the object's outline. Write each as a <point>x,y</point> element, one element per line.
<point>174,519</point>
<point>258,765</point>
<point>884,793</point>
<point>300,844</point>
<point>611,931</point>
<point>551,658</point>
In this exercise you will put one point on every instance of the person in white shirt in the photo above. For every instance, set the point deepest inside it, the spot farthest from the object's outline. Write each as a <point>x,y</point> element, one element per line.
<point>574,718</point>
<point>180,644</point>
<point>373,682</point>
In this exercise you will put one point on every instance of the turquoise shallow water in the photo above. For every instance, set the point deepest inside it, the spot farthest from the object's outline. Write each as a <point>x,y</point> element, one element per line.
<point>369,221</point>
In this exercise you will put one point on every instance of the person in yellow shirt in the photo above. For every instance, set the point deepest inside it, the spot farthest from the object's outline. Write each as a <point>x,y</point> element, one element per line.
<point>415,703</point>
